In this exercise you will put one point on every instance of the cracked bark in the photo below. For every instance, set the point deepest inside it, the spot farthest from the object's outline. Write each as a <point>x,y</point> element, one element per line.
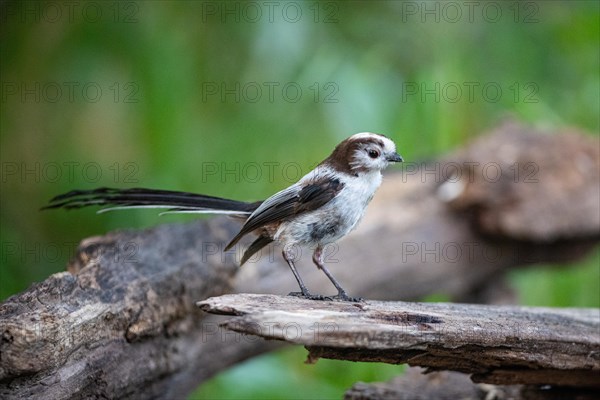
<point>499,345</point>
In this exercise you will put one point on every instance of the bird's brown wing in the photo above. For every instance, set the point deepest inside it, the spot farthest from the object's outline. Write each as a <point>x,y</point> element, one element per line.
<point>290,202</point>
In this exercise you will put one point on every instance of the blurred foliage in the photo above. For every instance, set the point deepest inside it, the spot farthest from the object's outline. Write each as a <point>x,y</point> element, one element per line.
<point>169,108</point>
<point>286,376</point>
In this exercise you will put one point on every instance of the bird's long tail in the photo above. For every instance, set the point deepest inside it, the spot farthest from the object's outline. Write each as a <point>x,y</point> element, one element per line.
<point>173,202</point>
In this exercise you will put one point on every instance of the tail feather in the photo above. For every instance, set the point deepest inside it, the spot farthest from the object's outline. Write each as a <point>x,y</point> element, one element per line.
<point>258,244</point>
<point>117,199</point>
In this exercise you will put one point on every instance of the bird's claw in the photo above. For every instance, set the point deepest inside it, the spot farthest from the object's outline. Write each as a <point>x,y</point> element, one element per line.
<point>341,296</point>
<point>310,296</point>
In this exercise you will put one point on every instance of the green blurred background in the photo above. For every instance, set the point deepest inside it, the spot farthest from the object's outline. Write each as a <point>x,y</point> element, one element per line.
<point>163,94</point>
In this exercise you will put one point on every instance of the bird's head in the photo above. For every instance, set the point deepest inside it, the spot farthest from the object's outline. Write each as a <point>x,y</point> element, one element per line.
<point>364,152</point>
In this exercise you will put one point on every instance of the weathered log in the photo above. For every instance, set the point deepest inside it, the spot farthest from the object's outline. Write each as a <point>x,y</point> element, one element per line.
<point>418,383</point>
<point>122,322</point>
<point>495,344</point>
<point>522,184</point>
<point>127,299</point>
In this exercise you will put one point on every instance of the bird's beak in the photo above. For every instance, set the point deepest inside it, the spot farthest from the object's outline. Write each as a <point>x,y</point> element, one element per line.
<point>394,158</point>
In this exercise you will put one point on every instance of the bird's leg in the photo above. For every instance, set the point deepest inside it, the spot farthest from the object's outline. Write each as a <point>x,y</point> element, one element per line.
<point>342,295</point>
<point>303,290</point>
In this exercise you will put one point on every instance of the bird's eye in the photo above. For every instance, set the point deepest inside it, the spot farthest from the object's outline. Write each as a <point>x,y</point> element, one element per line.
<point>373,153</point>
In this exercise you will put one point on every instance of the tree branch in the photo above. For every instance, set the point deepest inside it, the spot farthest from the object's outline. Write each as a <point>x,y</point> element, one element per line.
<point>418,383</point>
<point>496,344</point>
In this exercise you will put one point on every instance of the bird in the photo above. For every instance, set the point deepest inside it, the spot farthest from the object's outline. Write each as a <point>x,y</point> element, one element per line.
<point>319,209</point>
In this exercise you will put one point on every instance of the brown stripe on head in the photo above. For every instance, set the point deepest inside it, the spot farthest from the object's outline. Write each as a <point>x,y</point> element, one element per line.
<point>343,158</point>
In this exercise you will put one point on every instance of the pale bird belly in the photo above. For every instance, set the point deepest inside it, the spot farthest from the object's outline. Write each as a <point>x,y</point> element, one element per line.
<point>324,226</point>
<point>335,219</point>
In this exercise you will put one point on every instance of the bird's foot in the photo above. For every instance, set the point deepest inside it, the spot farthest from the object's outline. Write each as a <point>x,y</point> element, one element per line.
<point>343,296</point>
<point>310,296</point>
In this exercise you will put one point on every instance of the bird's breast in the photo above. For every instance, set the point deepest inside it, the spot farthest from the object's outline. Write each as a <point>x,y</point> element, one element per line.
<point>335,219</point>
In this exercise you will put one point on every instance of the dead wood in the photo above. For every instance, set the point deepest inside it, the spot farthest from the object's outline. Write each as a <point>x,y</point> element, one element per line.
<point>419,384</point>
<point>495,344</point>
